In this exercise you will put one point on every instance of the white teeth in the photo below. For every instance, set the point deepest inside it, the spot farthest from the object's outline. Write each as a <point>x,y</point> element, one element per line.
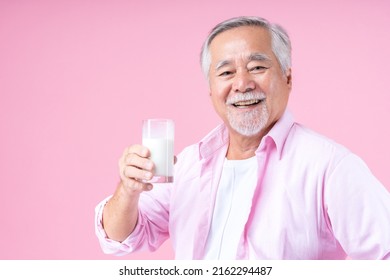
<point>247,102</point>
<point>245,99</point>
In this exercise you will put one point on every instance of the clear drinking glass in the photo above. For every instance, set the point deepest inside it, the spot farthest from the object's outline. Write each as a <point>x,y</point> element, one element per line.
<point>158,136</point>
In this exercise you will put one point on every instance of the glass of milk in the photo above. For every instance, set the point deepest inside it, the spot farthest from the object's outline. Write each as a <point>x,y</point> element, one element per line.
<point>157,136</point>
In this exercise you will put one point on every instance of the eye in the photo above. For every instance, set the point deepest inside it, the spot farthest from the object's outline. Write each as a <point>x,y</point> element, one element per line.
<point>225,73</point>
<point>258,69</point>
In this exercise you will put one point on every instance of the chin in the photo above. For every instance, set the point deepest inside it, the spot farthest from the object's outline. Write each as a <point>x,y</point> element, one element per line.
<point>248,132</point>
<point>248,127</point>
<point>248,123</point>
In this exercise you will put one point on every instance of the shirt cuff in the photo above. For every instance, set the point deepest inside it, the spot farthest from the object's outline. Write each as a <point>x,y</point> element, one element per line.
<point>108,245</point>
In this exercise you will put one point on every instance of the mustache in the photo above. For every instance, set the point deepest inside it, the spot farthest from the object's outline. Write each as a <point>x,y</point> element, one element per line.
<point>240,97</point>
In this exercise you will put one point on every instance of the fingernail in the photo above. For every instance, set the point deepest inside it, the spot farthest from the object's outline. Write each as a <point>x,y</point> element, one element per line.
<point>148,175</point>
<point>149,165</point>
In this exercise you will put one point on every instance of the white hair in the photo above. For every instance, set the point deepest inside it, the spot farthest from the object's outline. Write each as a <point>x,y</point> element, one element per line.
<point>281,45</point>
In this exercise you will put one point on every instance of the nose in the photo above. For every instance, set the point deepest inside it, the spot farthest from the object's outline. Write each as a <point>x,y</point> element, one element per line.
<point>243,82</point>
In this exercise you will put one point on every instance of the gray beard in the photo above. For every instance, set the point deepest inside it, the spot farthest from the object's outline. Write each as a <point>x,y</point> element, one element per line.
<point>248,123</point>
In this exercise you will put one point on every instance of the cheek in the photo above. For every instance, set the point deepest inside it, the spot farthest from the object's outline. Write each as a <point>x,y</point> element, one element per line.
<point>218,93</point>
<point>219,104</point>
<point>216,100</point>
<point>219,88</point>
<point>278,97</point>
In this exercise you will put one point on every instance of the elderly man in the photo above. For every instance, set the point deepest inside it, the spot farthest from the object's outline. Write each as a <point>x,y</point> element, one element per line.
<point>260,186</point>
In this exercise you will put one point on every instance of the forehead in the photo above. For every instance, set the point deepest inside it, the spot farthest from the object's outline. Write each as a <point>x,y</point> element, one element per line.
<point>241,41</point>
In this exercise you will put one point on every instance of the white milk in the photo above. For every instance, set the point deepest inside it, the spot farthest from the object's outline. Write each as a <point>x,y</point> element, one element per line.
<point>161,150</point>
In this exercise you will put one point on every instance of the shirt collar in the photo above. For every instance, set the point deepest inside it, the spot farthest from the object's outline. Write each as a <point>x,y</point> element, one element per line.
<point>278,133</point>
<point>219,137</point>
<point>213,141</point>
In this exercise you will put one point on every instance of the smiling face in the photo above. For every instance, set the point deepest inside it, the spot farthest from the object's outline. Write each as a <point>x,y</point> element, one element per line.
<point>248,88</point>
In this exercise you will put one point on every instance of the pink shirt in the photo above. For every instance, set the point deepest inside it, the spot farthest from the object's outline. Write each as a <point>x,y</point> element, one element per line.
<point>314,200</point>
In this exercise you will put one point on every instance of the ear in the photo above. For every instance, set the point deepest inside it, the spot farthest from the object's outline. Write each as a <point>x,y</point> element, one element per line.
<point>289,78</point>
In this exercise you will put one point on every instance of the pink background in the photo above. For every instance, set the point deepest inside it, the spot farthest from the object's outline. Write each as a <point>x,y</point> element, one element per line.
<point>77,78</point>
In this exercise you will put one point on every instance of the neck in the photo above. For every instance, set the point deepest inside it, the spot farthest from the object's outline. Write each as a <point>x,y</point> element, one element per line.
<point>242,147</point>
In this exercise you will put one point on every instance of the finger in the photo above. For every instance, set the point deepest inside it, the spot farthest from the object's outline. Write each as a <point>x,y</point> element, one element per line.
<point>147,187</point>
<point>131,172</point>
<point>137,186</point>
<point>140,150</point>
<point>137,161</point>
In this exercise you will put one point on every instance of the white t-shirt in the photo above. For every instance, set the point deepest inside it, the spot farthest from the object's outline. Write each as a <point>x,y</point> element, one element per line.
<point>235,192</point>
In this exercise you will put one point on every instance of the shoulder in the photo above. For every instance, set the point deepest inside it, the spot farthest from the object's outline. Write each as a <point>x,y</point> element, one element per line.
<point>306,139</point>
<point>205,148</point>
<point>188,156</point>
<point>305,147</point>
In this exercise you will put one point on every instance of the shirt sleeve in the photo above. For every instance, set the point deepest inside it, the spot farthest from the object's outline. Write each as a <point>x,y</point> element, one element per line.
<point>151,229</point>
<point>108,245</point>
<point>358,208</point>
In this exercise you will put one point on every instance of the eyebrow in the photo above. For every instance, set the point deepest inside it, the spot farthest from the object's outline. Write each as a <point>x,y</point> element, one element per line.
<point>259,57</point>
<point>251,57</point>
<point>221,64</point>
